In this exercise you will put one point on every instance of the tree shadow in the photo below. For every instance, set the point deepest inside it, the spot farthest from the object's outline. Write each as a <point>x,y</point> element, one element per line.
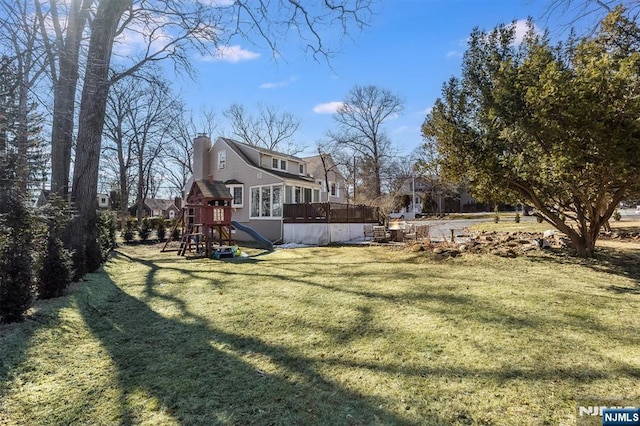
<point>623,263</point>
<point>202,375</point>
<point>16,338</point>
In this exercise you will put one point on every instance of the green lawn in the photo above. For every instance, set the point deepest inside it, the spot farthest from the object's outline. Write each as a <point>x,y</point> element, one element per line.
<point>335,336</point>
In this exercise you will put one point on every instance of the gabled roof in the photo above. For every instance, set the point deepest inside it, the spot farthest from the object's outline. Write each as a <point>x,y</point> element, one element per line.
<point>159,204</point>
<point>239,148</point>
<point>215,189</point>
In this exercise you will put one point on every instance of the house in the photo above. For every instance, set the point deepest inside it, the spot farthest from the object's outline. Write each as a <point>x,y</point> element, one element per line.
<point>262,181</point>
<point>104,202</point>
<point>157,207</point>
<point>326,174</point>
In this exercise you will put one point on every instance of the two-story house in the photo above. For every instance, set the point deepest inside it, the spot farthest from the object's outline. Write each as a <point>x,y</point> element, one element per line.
<point>262,181</point>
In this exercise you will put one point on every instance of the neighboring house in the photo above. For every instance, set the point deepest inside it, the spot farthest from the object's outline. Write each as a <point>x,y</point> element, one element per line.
<point>104,202</point>
<point>157,207</point>
<point>261,181</point>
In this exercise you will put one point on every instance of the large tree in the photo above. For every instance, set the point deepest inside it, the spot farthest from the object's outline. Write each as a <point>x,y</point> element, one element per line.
<point>360,120</point>
<point>171,29</point>
<point>556,126</point>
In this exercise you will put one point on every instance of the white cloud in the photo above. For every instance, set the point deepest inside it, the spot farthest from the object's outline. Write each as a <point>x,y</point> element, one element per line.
<point>328,107</point>
<point>278,84</point>
<point>233,54</point>
<point>453,54</point>
<point>522,27</point>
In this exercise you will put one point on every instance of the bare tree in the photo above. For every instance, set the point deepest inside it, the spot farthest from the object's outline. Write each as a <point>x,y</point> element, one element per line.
<point>177,157</point>
<point>360,122</point>
<point>171,29</point>
<point>589,12</point>
<point>270,128</point>
<point>117,147</point>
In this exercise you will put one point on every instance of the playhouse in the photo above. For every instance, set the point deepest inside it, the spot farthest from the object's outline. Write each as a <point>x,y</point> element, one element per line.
<point>206,220</point>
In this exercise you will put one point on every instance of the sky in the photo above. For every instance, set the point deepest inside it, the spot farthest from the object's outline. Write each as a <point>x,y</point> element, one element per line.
<point>411,47</point>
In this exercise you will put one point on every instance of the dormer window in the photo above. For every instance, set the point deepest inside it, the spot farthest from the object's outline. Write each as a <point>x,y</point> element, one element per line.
<point>301,169</point>
<point>277,163</point>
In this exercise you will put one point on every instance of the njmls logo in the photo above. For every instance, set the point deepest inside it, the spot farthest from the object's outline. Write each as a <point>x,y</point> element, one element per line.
<point>621,417</point>
<point>598,410</point>
<point>607,411</point>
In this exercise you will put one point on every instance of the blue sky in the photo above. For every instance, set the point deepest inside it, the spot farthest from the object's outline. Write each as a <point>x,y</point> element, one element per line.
<point>411,48</point>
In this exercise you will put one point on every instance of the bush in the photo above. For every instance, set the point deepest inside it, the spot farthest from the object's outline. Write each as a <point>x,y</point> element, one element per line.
<point>128,233</point>
<point>55,269</point>
<point>106,233</point>
<point>16,260</point>
<point>617,216</point>
<point>55,265</point>
<point>145,229</point>
<point>161,229</point>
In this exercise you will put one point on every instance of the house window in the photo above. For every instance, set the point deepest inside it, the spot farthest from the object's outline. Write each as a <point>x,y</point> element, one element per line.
<point>301,169</point>
<point>266,201</point>
<point>238,193</point>
<point>288,190</point>
<point>172,214</point>
<point>274,163</point>
<point>222,159</point>
<point>307,195</point>
<point>333,188</point>
<point>283,165</point>
<point>316,195</point>
<point>297,195</point>
<point>103,200</point>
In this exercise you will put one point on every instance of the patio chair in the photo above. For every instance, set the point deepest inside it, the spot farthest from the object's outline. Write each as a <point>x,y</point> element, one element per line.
<point>422,232</point>
<point>410,232</point>
<point>380,234</point>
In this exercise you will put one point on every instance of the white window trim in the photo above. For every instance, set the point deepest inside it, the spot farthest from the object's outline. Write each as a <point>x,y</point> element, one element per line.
<point>222,159</point>
<point>231,187</point>
<point>281,186</point>
<point>331,183</point>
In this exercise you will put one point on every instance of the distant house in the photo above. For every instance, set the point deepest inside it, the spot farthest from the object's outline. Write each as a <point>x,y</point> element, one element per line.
<point>157,207</point>
<point>104,202</point>
<point>262,181</point>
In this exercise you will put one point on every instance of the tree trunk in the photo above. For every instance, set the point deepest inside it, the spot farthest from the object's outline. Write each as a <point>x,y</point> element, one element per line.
<point>91,122</point>
<point>65,97</point>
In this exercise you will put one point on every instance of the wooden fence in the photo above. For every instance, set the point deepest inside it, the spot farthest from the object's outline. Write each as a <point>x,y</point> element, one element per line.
<point>331,213</point>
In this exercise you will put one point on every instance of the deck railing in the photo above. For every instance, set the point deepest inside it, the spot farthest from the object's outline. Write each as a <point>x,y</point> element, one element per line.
<point>331,213</point>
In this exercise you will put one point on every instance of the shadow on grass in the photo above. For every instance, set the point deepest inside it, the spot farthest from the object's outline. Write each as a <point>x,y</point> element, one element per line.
<point>15,339</point>
<point>201,375</point>
<point>624,263</point>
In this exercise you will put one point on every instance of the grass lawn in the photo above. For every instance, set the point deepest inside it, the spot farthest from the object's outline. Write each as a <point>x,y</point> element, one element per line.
<point>335,336</point>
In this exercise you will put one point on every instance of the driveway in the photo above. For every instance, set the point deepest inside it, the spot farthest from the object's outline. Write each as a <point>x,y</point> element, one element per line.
<point>440,229</point>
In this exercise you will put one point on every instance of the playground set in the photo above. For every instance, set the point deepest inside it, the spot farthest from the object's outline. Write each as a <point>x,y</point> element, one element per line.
<point>205,222</point>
